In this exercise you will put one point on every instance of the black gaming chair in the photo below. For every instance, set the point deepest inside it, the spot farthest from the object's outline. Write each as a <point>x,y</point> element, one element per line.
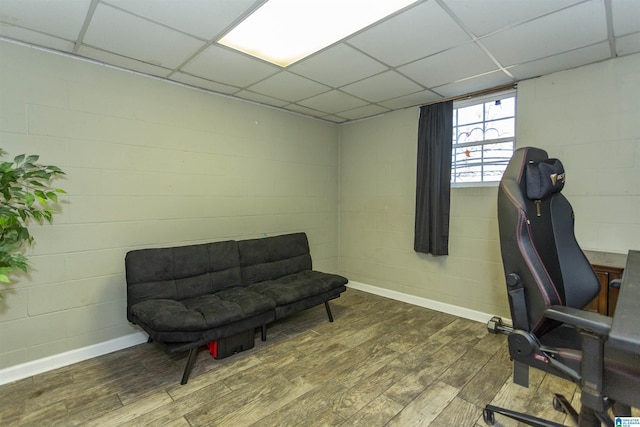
<point>549,280</point>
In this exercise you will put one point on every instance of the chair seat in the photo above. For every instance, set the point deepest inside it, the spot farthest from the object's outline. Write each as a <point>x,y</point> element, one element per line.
<point>201,313</point>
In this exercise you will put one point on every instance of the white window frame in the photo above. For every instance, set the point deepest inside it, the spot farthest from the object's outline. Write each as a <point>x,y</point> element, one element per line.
<point>475,101</point>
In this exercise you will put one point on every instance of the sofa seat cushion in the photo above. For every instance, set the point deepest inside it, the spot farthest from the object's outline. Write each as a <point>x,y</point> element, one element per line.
<point>298,286</point>
<point>203,312</point>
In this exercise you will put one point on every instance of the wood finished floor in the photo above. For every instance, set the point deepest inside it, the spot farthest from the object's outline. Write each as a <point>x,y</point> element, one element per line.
<point>381,363</point>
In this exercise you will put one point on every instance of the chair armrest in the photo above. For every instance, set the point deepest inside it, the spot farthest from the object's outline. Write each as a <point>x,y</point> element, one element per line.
<point>588,320</point>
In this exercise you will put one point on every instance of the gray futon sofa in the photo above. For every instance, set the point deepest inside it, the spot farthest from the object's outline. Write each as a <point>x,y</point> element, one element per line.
<point>187,296</point>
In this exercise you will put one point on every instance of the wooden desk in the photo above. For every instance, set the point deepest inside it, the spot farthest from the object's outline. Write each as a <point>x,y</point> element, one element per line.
<point>608,266</point>
<point>625,333</point>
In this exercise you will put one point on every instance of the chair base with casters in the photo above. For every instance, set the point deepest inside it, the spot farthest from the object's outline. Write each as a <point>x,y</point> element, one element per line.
<point>560,403</point>
<point>594,332</point>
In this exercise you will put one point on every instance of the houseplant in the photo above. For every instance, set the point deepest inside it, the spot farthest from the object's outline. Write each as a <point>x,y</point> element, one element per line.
<point>26,195</point>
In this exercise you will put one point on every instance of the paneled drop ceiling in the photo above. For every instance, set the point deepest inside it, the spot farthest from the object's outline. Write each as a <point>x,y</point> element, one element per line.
<point>431,50</point>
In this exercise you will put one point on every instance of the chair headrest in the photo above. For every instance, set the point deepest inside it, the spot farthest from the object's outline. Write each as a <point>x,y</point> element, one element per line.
<point>544,178</point>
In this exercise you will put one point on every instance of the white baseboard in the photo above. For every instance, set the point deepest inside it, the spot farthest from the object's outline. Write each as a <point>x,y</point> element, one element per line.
<point>466,313</point>
<point>25,370</point>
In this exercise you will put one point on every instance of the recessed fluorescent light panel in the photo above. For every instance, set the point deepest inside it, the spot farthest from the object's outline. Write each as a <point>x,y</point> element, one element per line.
<point>285,31</point>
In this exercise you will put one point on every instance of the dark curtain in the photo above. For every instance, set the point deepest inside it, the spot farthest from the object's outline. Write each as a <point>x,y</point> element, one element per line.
<point>433,184</point>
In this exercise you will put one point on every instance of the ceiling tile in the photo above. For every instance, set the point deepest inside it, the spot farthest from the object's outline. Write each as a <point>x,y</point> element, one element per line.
<point>262,99</point>
<point>390,64</point>
<point>123,62</point>
<point>288,86</point>
<point>486,16</point>
<point>201,18</point>
<point>454,64</point>
<point>334,119</point>
<point>382,87</point>
<point>127,35</point>
<point>362,112</point>
<point>493,79</point>
<point>628,44</point>
<point>626,17</point>
<point>420,31</point>
<point>338,66</point>
<point>561,61</point>
<point>60,18</point>
<point>549,35</point>
<point>203,83</point>
<point>332,102</point>
<point>229,67</point>
<point>411,100</point>
<point>38,39</point>
<point>306,111</point>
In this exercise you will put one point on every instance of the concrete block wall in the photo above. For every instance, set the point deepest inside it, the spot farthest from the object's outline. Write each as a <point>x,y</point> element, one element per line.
<point>148,164</point>
<point>155,164</point>
<point>377,212</point>
<point>588,117</point>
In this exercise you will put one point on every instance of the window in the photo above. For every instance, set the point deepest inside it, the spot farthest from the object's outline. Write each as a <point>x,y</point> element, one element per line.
<point>483,138</point>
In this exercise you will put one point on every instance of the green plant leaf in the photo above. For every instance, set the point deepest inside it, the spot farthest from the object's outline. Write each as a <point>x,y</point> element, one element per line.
<point>42,198</point>
<point>22,183</point>
<point>29,199</point>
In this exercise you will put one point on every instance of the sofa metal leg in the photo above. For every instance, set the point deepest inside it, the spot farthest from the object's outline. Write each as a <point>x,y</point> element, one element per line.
<point>326,305</point>
<point>187,369</point>
<point>149,340</point>
<point>263,332</point>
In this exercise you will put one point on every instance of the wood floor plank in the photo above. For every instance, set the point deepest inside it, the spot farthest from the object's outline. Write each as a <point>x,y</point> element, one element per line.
<point>465,368</point>
<point>486,383</point>
<point>248,406</point>
<point>368,389</point>
<point>127,412</point>
<point>313,408</point>
<point>376,413</point>
<point>178,408</point>
<point>426,407</point>
<point>459,412</point>
<point>380,363</point>
<point>423,375</point>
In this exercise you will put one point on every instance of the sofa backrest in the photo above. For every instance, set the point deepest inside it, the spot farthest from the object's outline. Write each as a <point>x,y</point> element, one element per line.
<point>270,258</point>
<point>181,272</point>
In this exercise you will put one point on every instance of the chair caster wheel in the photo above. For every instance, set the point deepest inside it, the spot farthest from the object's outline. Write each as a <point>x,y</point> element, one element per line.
<point>493,325</point>
<point>557,405</point>
<point>488,417</point>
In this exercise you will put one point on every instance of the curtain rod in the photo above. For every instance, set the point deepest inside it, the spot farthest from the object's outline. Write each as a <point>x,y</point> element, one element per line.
<point>475,94</point>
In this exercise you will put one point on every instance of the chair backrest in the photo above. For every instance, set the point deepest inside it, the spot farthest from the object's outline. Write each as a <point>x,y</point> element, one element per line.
<point>181,272</point>
<point>269,258</point>
<point>537,239</point>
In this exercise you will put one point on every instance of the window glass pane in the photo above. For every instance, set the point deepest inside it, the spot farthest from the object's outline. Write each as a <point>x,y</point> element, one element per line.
<point>496,158</point>
<point>498,152</point>
<point>465,155</point>
<point>467,163</point>
<point>470,114</point>
<point>500,128</point>
<point>493,172</point>
<point>500,109</point>
<point>476,158</point>
<point>469,133</point>
<point>469,173</point>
